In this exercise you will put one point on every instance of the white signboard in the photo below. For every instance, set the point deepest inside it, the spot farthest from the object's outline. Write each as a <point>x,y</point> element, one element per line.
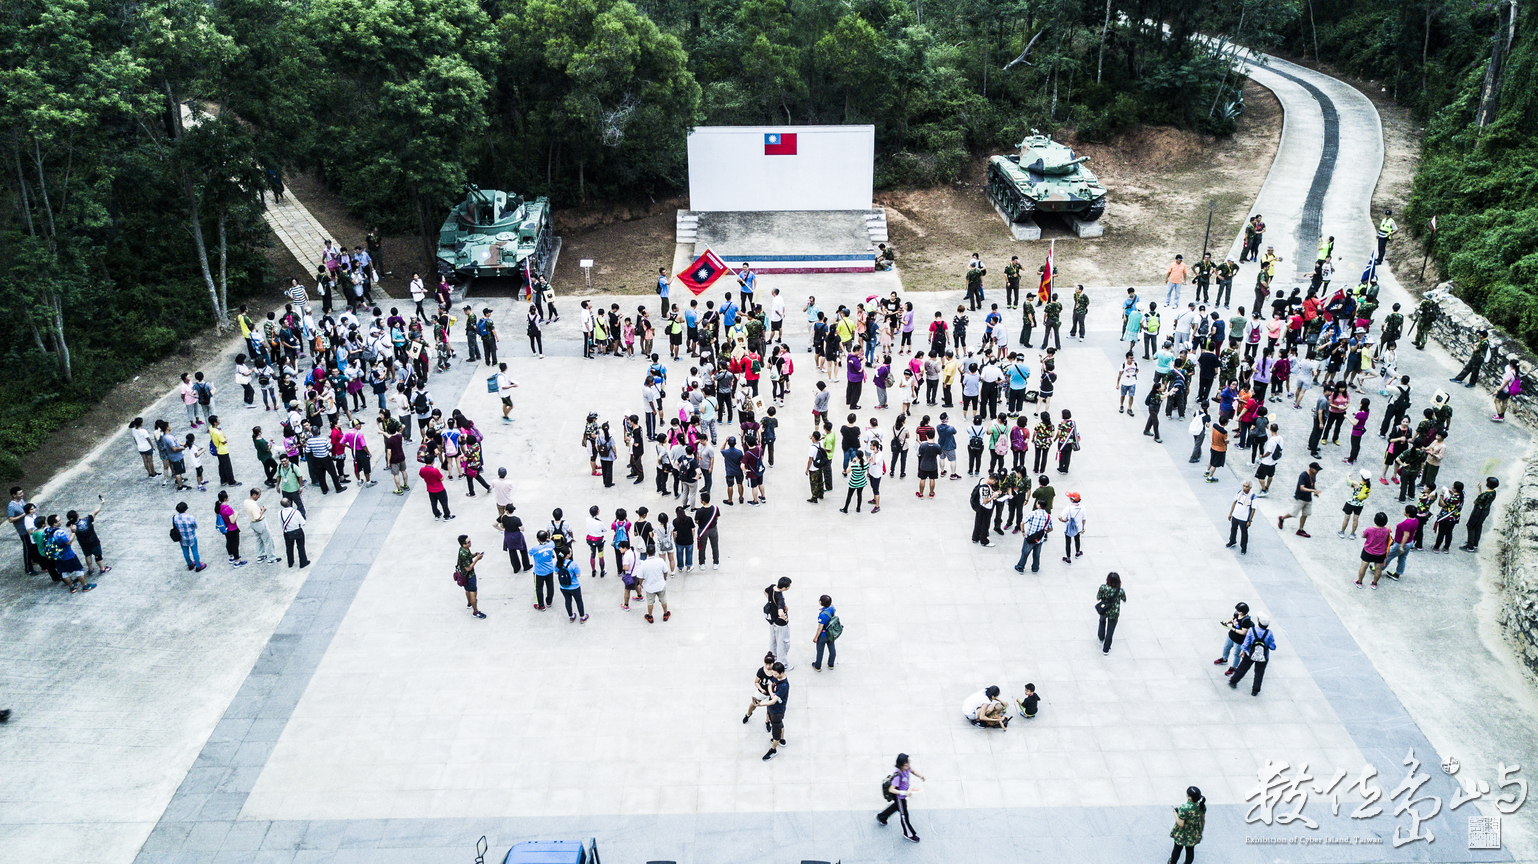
<point>751,168</point>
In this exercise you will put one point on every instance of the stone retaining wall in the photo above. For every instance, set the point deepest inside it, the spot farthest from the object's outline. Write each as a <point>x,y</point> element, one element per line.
<point>1456,329</point>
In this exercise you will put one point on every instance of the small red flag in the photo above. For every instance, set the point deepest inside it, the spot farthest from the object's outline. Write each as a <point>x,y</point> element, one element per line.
<point>1044,290</point>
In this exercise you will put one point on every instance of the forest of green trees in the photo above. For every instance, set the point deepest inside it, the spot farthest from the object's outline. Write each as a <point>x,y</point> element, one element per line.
<point>136,133</point>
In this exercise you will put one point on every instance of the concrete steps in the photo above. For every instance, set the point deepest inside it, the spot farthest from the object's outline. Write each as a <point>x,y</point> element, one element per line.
<point>875,225</point>
<point>687,228</point>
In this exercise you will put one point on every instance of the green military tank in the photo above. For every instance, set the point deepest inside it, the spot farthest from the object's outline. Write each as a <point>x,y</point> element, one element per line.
<point>1045,177</point>
<point>495,233</point>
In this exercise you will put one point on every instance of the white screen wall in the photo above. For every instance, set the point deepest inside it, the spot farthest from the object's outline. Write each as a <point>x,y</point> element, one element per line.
<point>832,168</point>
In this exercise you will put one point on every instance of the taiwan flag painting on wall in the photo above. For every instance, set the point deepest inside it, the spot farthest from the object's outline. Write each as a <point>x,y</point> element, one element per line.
<point>706,269</point>
<point>779,143</point>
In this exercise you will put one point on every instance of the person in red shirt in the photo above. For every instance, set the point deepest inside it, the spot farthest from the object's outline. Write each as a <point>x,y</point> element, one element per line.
<point>339,452</point>
<point>436,494</point>
<point>752,370</point>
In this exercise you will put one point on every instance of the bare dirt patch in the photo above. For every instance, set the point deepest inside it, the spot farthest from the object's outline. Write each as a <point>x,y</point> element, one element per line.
<point>1159,183</point>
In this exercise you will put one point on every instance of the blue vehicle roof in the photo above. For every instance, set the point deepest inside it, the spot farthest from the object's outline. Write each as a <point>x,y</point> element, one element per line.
<point>547,852</point>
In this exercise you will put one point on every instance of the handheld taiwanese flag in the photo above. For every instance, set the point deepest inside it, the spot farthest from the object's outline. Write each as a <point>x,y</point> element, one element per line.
<point>1044,290</point>
<point>706,269</point>
<point>1371,269</point>
<point>779,143</point>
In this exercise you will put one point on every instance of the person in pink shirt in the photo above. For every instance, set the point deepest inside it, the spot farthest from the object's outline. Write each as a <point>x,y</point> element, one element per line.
<point>1404,540</point>
<point>1375,541</point>
<point>362,463</point>
<point>224,520</point>
<point>190,400</point>
<point>436,495</point>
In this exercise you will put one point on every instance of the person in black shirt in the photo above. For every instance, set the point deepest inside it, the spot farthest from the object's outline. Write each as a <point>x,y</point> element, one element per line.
<point>1028,704</point>
<point>1207,362</point>
<point>929,464</point>
<point>779,695</point>
<point>849,440</point>
<point>1303,499</point>
<point>513,542</point>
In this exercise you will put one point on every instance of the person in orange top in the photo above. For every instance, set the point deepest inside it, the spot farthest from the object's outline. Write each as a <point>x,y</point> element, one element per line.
<point>1175,278</point>
<point>1218,449</point>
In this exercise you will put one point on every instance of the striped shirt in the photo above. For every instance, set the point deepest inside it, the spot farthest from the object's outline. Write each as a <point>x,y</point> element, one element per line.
<point>298,295</point>
<point>857,474</point>
<point>318,446</point>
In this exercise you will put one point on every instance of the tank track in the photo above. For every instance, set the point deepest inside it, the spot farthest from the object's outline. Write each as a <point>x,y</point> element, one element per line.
<point>1002,192</point>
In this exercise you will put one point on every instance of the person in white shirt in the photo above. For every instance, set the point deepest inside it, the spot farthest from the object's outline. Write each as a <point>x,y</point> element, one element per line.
<point>875,469</point>
<point>418,294</point>
<point>984,708</point>
<point>776,316</point>
<point>292,522</point>
<point>505,385</point>
<point>502,492</point>
<point>587,330</point>
<point>1270,454</point>
<point>1126,381</point>
<point>652,573</point>
<point>143,444</point>
<point>1075,523</point>
<point>1240,514</point>
<point>256,522</point>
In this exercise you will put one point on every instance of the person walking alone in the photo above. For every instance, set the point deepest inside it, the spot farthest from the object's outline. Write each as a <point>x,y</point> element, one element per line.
<point>293,532</point>
<point>465,566</point>
<point>1108,600</point>
<point>829,628</point>
<point>1241,513</point>
<point>778,616</point>
<point>897,789</point>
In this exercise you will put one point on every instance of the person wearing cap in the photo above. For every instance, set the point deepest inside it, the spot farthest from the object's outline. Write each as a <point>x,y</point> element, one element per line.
<point>1075,521</point>
<point>1386,229</point>
<point>1302,500</point>
<point>1478,513</point>
<point>1356,500</point>
<point>1256,651</point>
<point>472,334</point>
<point>488,334</point>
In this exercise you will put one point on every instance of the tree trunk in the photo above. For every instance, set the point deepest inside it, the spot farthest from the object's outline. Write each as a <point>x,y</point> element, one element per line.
<point>582,180</point>
<point>224,269</point>
<point>1490,92</point>
<point>1104,28</point>
<point>57,321</point>
<point>429,248</point>
<point>1315,29</point>
<point>195,225</point>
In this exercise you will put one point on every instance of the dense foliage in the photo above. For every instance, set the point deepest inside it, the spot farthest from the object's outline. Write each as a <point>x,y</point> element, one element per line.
<point>1480,181</point>
<point>138,134</point>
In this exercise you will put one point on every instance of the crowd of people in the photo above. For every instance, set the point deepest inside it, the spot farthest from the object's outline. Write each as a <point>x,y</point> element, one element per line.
<point>945,381</point>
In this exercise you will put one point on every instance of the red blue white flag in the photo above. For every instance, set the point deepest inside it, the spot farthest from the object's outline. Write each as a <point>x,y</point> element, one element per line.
<point>779,143</point>
<point>706,269</point>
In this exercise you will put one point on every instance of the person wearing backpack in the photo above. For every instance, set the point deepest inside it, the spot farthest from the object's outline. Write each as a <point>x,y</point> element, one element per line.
<point>224,520</point>
<point>1256,651</point>
<point>982,509</point>
<point>488,333</point>
<point>897,788</point>
<point>829,628</point>
<point>975,446</point>
<point>1511,385</point>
